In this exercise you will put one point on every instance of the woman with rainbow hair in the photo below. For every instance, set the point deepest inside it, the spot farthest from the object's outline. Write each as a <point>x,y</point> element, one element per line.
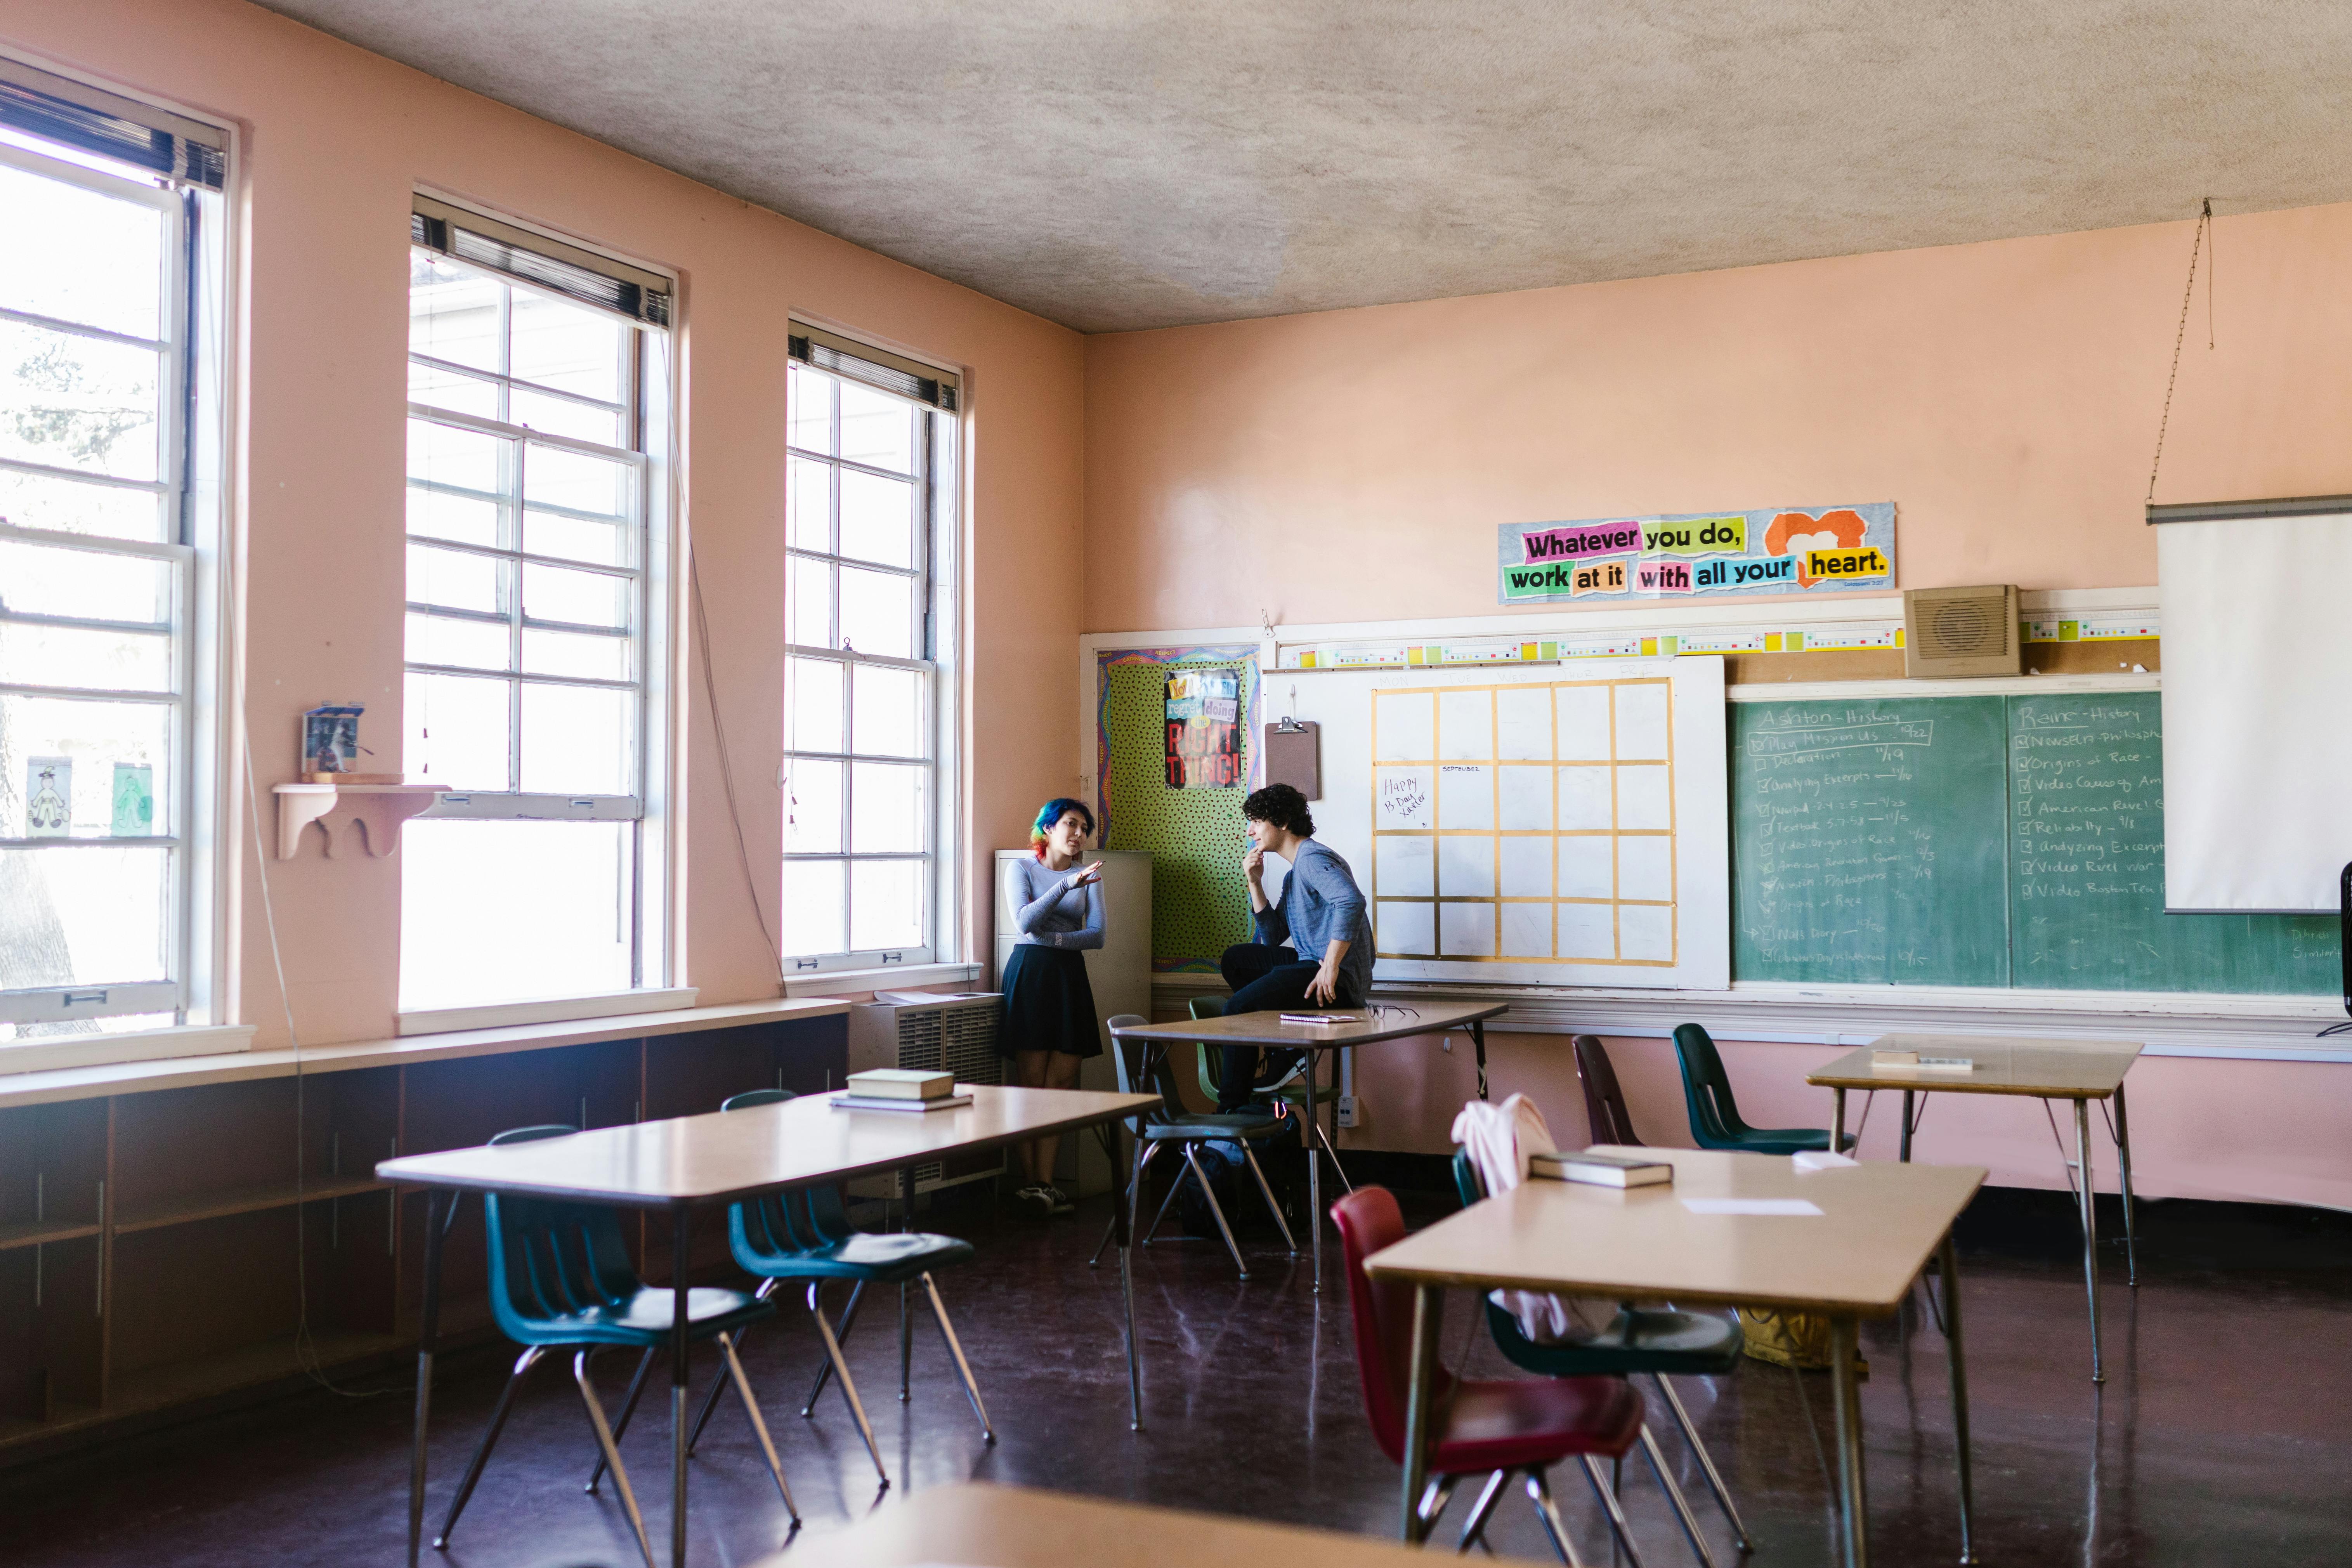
<point>1050,1024</point>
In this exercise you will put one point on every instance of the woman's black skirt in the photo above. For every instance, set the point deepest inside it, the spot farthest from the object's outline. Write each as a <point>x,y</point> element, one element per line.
<point>1048,1004</point>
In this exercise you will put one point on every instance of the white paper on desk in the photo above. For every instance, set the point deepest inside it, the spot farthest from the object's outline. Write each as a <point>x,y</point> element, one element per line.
<point>1750,1205</point>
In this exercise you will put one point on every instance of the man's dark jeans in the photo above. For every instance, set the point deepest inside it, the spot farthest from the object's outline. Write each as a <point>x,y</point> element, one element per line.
<point>1264,980</point>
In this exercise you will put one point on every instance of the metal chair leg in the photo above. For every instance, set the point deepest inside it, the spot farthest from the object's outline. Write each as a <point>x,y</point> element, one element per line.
<point>1615,1509</point>
<point>605,1440</point>
<point>1433,1498</point>
<point>1539,1493</point>
<point>841,1336</point>
<point>1473,1529</point>
<point>719,1384</point>
<point>906,1346</point>
<point>628,1408</point>
<point>834,1361</point>
<point>1705,1462</point>
<point>523,1363</point>
<point>759,1421</point>
<point>1135,1180</point>
<point>1325,1139</point>
<point>955,1348</point>
<point>1683,1514</point>
<point>1193,1158</point>
<point>1272,1207</point>
<point>1159,1215</point>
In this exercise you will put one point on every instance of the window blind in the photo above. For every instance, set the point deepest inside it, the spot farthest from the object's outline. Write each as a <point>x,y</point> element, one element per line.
<point>877,368</point>
<point>74,114</point>
<point>579,274</point>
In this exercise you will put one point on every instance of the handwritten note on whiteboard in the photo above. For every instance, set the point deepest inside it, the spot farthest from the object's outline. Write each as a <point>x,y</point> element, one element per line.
<point>1405,798</point>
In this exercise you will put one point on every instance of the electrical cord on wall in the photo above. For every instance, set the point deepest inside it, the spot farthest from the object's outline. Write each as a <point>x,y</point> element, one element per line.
<point>306,1346</point>
<point>726,765</point>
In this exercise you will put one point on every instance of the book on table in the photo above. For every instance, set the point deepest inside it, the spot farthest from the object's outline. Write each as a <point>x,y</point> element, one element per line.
<point>900,1083</point>
<point>1596,1168</point>
<point>1323,1020</point>
<point>845,1100</point>
<point>1917,1061</point>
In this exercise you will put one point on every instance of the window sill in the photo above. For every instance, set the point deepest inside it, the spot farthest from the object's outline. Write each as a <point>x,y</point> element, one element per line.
<point>557,1010</point>
<point>890,977</point>
<point>110,1050</point>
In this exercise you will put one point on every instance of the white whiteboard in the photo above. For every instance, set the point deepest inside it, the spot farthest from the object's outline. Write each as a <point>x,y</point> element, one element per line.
<point>1564,825</point>
<point>2257,688</point>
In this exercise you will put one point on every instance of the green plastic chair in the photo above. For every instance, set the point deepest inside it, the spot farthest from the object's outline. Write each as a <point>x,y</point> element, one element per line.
<point>559,1275</point>
<point>1715,1117</point>
<point>805,1237</point>
<point>1174,1127</point>
<point>1656,1341</point>
<point>1211,1064</point>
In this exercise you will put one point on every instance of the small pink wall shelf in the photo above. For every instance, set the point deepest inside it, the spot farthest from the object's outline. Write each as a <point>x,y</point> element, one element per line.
<point>379,809</point>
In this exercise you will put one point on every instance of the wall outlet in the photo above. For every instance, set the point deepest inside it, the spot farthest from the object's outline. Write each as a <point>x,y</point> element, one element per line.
<point>1347,1111</point>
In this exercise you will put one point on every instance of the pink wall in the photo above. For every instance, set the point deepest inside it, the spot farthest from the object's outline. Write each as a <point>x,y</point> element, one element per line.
<point>2243,1131</point>
<point>334,141</point>
<point>2004,396</point>
<point>1353,465</point>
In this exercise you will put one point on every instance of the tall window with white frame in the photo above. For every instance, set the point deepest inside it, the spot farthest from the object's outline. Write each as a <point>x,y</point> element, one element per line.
<point>110,531</point>
<point>868,626</point>
<point>534,669</point>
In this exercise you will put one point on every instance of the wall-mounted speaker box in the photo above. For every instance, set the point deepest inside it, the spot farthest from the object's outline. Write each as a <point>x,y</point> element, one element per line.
<point>1952,632</point>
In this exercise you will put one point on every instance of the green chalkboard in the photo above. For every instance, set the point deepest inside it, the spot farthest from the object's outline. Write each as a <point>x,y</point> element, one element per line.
<point>1979,841</point>
<point>1867,841</point>
<point>2086,852</point>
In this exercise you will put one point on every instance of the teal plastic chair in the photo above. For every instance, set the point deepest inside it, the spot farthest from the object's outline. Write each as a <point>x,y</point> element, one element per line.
<point>1174,1127</point>
<point>1656,1341</point>
<point>1715,1117</point>
<point>1210,1066</point>
<point>559,1275</point>
<point>805,1237</point>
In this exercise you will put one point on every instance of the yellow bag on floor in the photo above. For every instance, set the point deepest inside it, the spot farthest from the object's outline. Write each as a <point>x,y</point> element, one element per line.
<point>1800,1341</point>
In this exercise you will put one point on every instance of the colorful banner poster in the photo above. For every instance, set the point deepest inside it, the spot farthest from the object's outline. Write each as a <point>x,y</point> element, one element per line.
<point>1795,550</point>
<point>1204,729</point>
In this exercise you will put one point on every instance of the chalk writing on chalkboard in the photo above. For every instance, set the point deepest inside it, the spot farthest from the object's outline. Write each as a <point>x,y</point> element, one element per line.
<point>1848,866</point>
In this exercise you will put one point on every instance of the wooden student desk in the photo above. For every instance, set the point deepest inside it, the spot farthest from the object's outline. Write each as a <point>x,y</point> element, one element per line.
<point>691,1161</point>
<point>1384,1021</point>
<point>984,1526</point>
<point>1857,1259</point>
<point>2079,1071</point>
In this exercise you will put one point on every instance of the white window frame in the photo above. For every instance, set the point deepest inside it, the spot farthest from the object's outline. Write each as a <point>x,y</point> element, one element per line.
<point>199,990</point>
<point>939,634</point>
<point>657,926</point>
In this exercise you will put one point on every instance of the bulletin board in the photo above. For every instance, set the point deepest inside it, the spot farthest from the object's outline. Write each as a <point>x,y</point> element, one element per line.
<point>1200,905</point>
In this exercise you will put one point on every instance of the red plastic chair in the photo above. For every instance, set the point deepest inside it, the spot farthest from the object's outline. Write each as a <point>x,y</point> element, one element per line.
<point>1496,1429</point>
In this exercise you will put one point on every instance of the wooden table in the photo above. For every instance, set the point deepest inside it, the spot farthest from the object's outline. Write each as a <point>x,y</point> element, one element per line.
<point>1878,1226</point>
<point>1383,1021</point>
<point>988,1526</point>
<point>2079,1071</point>
<point>684,1164</point>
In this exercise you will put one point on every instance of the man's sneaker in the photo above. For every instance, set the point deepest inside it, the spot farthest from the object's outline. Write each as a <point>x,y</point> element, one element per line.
<point>1060,1201</point>
<point>1033,1203</point>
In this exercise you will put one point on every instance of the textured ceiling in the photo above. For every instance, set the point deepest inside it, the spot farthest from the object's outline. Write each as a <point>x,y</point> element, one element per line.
<point>1119,164</point>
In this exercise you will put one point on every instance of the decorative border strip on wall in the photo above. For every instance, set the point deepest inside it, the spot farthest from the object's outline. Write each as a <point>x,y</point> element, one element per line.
<point>1646,644</point>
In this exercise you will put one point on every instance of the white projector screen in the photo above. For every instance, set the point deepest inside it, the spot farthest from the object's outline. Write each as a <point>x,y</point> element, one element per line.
<point>2257,709</point>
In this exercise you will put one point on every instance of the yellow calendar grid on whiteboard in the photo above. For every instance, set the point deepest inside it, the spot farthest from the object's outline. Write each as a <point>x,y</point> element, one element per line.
<point>1526,823</point>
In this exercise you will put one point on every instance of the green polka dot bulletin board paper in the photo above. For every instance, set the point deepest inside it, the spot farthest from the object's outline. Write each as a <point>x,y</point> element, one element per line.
<point>1200,905</point>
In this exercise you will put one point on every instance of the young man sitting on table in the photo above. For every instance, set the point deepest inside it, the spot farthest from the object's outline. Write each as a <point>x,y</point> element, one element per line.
<point>1322,912</point>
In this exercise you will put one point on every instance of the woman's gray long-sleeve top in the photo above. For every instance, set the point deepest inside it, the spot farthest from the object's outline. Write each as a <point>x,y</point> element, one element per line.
<point>1049,907</point>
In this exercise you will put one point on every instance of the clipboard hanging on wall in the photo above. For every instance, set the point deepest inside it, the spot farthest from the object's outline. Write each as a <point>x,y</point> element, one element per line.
<point>1293,755</point>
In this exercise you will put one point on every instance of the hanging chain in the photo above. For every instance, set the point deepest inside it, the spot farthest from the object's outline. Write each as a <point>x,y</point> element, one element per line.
<point>2180,335</point>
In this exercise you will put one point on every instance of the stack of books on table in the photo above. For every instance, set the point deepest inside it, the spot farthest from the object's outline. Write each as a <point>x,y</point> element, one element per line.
<point>903,1089</point>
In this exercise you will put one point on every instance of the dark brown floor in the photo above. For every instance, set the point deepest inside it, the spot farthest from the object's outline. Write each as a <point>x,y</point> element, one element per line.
<point>2223,1435</point>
